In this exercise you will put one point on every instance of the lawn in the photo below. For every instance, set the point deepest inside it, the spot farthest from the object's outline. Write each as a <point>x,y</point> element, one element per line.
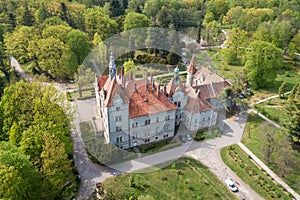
<point>283,149</point>
<point>258,180</point>
<point>271,109</point>
<point>184,179</point>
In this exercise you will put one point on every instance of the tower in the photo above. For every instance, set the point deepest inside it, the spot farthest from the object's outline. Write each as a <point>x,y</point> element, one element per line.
<point>176,75</point>
<point>190,71</point>
<point>112,66</point>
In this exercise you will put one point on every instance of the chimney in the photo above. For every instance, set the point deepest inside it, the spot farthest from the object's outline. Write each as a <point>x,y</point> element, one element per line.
<point>157,90</point>
<point>165,89</point>
<point>131,75</point>
<point>198,93</point>
<point>135,90</point>
<point>146,81</point>
<point>105,93</point>
<point>122,71</point>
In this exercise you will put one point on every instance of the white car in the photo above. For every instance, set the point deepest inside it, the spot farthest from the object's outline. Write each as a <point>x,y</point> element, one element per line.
<point>231,185</point>
<point>188,137</point>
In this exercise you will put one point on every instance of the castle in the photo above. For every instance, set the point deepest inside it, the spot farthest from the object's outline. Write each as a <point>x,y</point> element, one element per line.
<point>137,112</point>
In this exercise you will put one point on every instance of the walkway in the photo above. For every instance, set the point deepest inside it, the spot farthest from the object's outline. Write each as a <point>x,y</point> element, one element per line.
<point>268,98</point>
<point>269,171</point>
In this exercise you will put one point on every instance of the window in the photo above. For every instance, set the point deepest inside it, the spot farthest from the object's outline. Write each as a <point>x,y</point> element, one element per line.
<point>166,127</point>
<point>135,124</point>
<point>196,120</point>
<point>147,121</point>
<point>157,119</point>
<point>156,138</point>
<point>147,133</point>
<point>118,118</point>
<point>165,136</point>
<point>147,140</point>
<point>118,108</point>
<point>179,104</point>
<point>119,139</point>
<point>118,128</point>
<point>167,117</point>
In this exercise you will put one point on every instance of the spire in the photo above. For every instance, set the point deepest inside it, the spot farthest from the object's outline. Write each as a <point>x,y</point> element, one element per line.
<point>176,75</point>
<point>112,66</point>
<point>190,71</point>
<point>191,68</point>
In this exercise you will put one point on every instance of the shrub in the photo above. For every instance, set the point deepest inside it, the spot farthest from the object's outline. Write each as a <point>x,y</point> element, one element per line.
<point>68,96</point>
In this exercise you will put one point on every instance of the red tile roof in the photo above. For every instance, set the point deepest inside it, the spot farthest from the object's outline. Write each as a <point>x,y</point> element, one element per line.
<point>171,87</point>
<point>191,67</point>
<point>101,81</point>
<point>112,88</point>
<point>195,105</point>
<point>145,102</point>
<point>212,90</point>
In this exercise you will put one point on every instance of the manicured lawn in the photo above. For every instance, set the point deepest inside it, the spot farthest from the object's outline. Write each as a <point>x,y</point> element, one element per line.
<point>184,179</point>
<point>242,165</point>
<point>271,109</point>
<point>255,144</point>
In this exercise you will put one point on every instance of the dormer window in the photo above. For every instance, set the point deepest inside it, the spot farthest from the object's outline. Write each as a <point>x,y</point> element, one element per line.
<point>147,121</point>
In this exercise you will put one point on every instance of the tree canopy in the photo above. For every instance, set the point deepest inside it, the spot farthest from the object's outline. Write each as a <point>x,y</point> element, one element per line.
<point>263,62</point>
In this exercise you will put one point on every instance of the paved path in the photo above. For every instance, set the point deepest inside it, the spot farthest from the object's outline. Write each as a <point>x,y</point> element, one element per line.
<point>269,171</point>
<point>263,117</point>
<point>268,98</point>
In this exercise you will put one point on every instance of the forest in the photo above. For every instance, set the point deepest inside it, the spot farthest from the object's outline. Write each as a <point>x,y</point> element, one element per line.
<point>51,38</point>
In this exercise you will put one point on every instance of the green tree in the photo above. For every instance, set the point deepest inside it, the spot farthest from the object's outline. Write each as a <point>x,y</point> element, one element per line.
<point>115,8</point>
<point>135,20</point>
<point>294,46</point>
<point>17,42</point>
<point>281,90</point>
<point>79,44</point>
<point>96,21</point>
<point>24,16</point>
<point>56,167</point>
<point>282,32</point>
<point>295,92</point>
<point>57,31</point>
<point>163,18</point>
<point>129,66</point>
<point>238,42</point>
<point>263,32</point>
<point>292,123</point>
<point>19,179</point>
<point>263,61</point>
<point>55,58</point>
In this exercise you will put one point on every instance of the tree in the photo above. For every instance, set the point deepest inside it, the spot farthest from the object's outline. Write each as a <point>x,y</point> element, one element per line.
<point>286,160</point>
<point>163,18</point>
<point>24,16</point>
<point>270,146</point>
<point>57,31</point>
<point>56,167</point>
<point>79,44</point>
<point>263,61</point>
<point>55,58</point>
<point>282,32</point>
<point>295,92</point>
<point>238,42</point>
<point>17,42</point>
<point>294,46</point>
<point>115,8</point>
<point>84,78</point>
<point>96,21</point>
<point>19,179</point>
<point>281,90</point>
<point>263,32</point>
<point>129,66</point>
<point>135,20</point>
<point>292,124</point>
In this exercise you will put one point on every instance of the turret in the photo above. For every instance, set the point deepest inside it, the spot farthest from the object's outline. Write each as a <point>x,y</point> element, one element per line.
<point>190,71</point>
<point>176,75</point>
<point>112,67</point>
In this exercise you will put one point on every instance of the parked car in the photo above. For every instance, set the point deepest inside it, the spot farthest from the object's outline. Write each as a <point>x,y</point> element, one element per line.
<point>182,138</point>
<point>188,137</point>
<point>231,185</point>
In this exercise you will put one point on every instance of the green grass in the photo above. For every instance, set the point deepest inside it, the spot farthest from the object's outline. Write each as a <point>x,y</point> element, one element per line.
<point>271,109</point>
<point>86,94</point>
<point>256,141</point>
<point>242,165</point>
<point>184,179</point>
